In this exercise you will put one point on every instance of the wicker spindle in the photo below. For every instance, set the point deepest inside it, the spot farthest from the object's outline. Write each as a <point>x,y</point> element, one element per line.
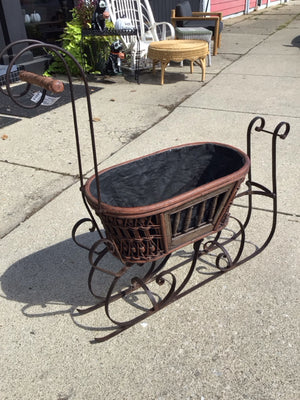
<point>213,208</point>
<point>201,213</point>
<point>176,223</point>
<point>188,219</point>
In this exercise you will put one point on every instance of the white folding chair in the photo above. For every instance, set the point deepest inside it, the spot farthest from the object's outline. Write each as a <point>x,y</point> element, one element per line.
<point>139,14</point>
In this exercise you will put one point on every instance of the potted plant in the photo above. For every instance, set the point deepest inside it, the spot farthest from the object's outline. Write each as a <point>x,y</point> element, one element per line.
<point>90,51</point>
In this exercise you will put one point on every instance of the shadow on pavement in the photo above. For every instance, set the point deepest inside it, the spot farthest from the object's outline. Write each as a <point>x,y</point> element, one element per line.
<point>296,41</point>
<point>55,275</point>
<point>8,107</point>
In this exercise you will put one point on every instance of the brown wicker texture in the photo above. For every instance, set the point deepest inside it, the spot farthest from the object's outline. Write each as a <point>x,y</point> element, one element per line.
<point>146,233</point>
<point>140,240</point>
<point>178,50</point>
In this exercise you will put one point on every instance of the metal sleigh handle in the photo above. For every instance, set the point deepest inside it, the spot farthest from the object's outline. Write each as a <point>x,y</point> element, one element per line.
<point>254,188</point>
<point>45,82</point>
<point>56,86</point>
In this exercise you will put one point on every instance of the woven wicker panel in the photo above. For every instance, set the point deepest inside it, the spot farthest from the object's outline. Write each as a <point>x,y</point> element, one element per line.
<point>140,240</point>
<point>137,240</point>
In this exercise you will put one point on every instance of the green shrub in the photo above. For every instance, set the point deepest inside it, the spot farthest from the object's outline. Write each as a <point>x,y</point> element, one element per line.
<point>90,51</point>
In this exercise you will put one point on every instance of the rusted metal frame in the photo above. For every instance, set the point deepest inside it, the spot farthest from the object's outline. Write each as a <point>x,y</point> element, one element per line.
<point>137,283</point>
<point>153,271</point>
<point>260,122</point>
<point>273,194</point>
<point>172,295</point>
<point>90,213</point>
<point>109,298</point>
<point>175,294</point>
<point>112,248</point>
<point>75,228</point>
<point>180,292</point>
<point>214,244</point>
<point>92,220</point>
<point>141,283</point>
<point>104,299</point>
<point>264,191</point>
<point>190,271</point>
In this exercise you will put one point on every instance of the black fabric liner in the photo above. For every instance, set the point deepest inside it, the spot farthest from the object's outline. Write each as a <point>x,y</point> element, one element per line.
<point>8,107</point>
<point>162,176</point>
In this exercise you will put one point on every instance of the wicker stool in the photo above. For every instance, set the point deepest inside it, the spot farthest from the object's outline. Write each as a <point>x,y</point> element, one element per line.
<point>178,50</point>
<point>196,34</point>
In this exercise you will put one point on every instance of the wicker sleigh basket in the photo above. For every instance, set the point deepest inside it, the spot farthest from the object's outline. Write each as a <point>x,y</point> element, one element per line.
<point>155,204</point>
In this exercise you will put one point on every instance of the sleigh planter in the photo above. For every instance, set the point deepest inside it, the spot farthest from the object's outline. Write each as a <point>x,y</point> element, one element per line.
<point>156,204</point>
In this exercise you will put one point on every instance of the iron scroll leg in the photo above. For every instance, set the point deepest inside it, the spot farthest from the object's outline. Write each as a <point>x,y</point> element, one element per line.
<point>160,279</point>
<point>155,274</point>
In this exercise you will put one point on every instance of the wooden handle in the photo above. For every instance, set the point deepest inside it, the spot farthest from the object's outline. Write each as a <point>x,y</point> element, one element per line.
<point>44,82</point>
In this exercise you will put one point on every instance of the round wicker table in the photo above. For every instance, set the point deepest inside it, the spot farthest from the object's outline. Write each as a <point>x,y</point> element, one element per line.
<point>178,50</point>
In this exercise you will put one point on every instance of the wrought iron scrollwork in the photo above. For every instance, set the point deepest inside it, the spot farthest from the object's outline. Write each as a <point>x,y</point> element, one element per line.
<point>148,244</point>
<point>9,72</point>
<point>76,227</point>
<point>226,257</point>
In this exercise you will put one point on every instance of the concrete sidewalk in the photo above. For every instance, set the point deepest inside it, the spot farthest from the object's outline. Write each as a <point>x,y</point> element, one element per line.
<point>236,338</point>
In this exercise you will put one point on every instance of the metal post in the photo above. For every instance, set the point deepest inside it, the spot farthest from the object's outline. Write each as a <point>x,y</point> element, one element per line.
<point>247,6</point>
<point>204,5</point>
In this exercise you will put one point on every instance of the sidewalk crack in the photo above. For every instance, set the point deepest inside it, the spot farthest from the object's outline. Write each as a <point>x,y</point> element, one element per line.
<point>76,176</point>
